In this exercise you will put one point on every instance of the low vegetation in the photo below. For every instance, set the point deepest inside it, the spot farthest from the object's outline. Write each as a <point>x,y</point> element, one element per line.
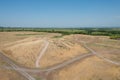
<point>117,36</point>
<point>23,47</point>
<point>114,33</point>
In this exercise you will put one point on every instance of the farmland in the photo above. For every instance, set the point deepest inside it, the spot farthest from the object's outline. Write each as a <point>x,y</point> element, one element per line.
<point>113,33</point>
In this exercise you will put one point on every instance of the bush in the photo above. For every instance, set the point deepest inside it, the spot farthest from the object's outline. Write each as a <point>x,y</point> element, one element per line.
<point>117,36</point>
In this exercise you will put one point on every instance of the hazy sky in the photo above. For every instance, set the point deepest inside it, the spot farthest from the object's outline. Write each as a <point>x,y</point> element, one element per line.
<point>59,13</point>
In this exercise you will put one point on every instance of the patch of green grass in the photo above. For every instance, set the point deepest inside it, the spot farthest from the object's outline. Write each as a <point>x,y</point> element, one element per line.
<point>38,78</point>
<point>26,34</point>
<point>57,36</point>
<point>2,62</point>
<point>113,33</point>
<point>116,36</point>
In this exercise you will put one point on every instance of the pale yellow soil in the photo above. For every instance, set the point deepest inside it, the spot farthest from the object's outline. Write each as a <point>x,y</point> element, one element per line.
<point>91,68</point>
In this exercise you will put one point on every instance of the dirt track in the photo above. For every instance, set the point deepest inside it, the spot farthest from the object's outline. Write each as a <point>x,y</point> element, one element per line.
<point>15,67</point>
<point>23,71</point>
<point>41,53</point>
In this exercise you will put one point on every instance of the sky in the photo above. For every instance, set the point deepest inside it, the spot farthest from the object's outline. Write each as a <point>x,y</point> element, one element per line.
<point>60,13</point>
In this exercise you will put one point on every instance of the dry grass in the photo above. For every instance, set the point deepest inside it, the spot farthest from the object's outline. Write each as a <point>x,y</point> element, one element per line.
<point>10,75</point>
<point>11,37</point>
<point>102,45</point>
<point>7,37</point>
<point>91,68</point>
<point>98,39</point>
<point>107,52</point>
<point>61,50</point>
<point>23,47</point>
<point>25,53</point>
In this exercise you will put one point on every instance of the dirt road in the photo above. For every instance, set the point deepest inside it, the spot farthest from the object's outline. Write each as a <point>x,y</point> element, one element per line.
<point>81,57</point>
<point>23,71</point>
<point>41,53</point>
<point>15,67</point>
<point>100,56</point>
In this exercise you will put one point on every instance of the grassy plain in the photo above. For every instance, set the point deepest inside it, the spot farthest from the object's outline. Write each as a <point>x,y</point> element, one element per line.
<point>24,48</point>
<point>94,67</point>
<point>61,50</point>
<point>6,74</point>
<point>91,68</point>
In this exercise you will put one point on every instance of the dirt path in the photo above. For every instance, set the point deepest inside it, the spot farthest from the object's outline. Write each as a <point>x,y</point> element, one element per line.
<point>100,56</point>
<point>69,62</point>
<point>57,66</point>
<point>24,71</point>
<point>118,47</point>
<point>15,67</point>
<point>41,53</point>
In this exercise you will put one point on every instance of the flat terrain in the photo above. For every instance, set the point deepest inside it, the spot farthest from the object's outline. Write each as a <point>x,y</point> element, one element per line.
<point>70,57</point>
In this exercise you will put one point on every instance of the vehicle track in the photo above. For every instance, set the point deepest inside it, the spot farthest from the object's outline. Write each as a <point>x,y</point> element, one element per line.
<point>57,66</point>
<point>98,55</point>
<point>41,53</point>
<point>108,45</point>
<point>24,70</point>
<point>15,67</point>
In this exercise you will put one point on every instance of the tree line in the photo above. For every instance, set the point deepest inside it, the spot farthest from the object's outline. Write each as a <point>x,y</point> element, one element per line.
<point>114,33</point>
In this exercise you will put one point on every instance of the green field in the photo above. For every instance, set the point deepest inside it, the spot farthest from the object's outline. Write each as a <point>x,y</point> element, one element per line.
<point>114,33</point>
